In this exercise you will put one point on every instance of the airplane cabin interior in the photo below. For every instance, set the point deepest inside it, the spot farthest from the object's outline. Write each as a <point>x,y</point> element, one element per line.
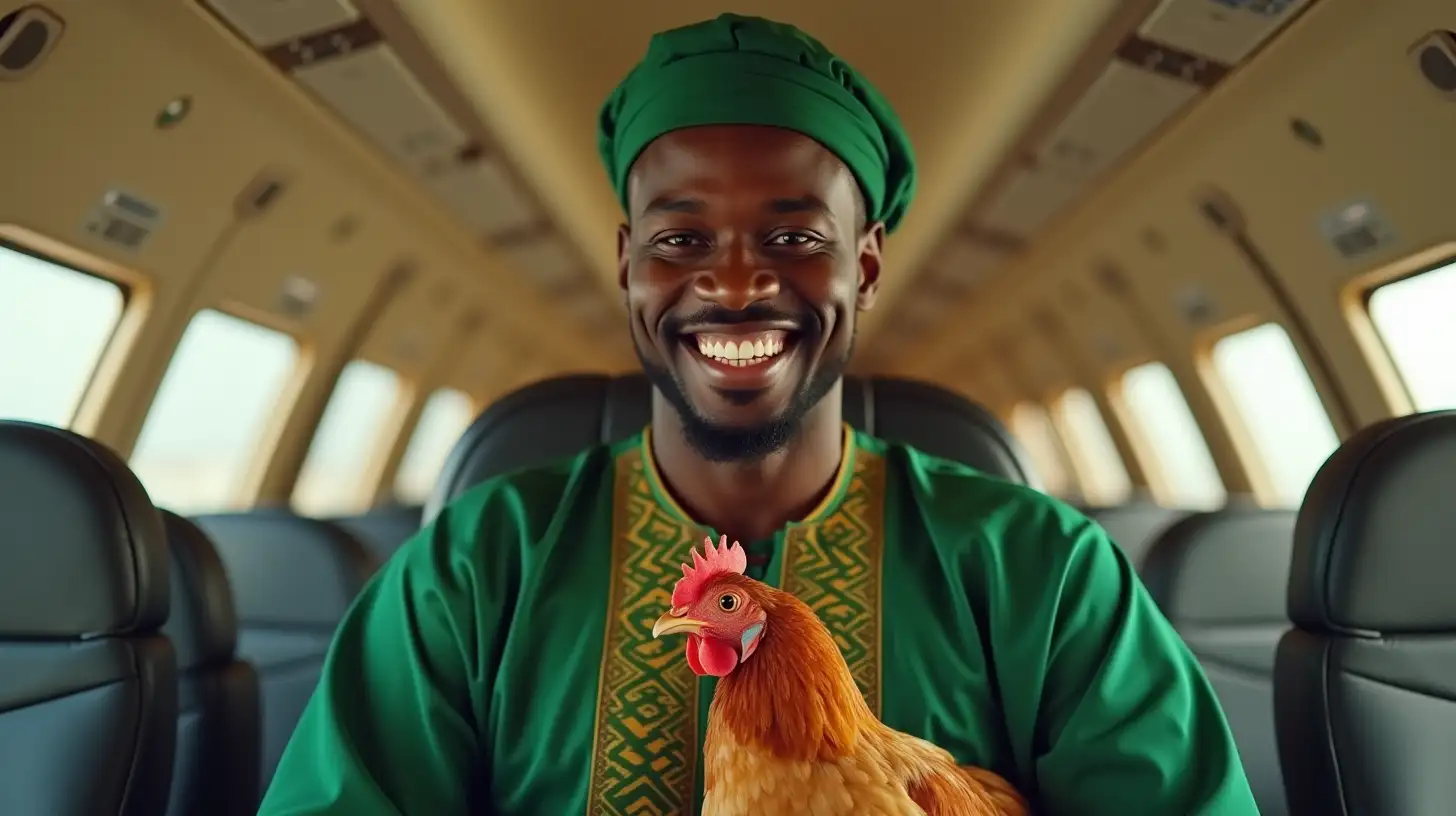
<point>280,279</point>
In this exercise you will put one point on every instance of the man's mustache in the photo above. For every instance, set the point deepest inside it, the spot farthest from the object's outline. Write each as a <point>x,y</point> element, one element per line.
<point>755,313</point>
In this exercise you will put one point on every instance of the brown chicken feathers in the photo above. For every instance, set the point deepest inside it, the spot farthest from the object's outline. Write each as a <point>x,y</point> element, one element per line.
<point>788,730</point>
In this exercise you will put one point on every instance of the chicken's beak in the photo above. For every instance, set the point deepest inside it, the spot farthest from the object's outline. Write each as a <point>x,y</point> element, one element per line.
<point>671,624</point>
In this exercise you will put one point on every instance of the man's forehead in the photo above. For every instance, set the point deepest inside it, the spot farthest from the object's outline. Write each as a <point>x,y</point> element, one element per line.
<point>783,171</point>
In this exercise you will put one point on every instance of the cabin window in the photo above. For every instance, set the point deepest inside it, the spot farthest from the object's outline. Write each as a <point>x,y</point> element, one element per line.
<point>55,322</point>
<point>1158,406</point>
<point>444,418</point>
<point>1099,467</point>
<point>1413,318</point>
<point>1033,427</point>
<point>1279,405</point>
<point>349,435</point>
<point>202,433</point>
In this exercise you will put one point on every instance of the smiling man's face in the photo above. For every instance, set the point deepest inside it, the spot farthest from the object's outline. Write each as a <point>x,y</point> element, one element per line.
<point>744,264</point>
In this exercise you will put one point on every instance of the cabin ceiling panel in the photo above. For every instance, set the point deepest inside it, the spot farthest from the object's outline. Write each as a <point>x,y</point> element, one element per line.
<point>375,93</point>
<point>1227,30</point>
<point>1033,196</point>
<point>1124,106</point>
<point>1178,53</point>
<point>275,21</point>
<point>485,195</point>
<point>351,67</point>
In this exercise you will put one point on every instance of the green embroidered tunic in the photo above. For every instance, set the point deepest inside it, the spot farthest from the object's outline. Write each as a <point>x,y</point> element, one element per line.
<point>503,661</point>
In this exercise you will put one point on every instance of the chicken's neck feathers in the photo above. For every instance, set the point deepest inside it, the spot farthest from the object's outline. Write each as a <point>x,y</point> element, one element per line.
<point>795,695</point>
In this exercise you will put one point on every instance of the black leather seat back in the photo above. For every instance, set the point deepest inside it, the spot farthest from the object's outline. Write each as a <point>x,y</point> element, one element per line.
<point>383,529</point>
<point>88,694</point>
<point>1135,526</point>
<point>1366,679</point>
<point>292,580</point>
<point>219,724</point>
<point>1220,579</point>
<point>557,418</point>
<point>937,421</point>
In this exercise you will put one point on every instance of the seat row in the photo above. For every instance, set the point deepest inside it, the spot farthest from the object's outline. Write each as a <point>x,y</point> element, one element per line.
<point>1328,633</point>
<point>151,663</point>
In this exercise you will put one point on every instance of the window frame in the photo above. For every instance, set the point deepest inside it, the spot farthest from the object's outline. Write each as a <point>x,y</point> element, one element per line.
<point>247,490</point>
<point>135,298</point>
<point>1252,458</point>
<point>1074,491</point>
<point>1079,460</point>
<point>380,462</point>
<point>1157,481</point>
<point>1355,299</point>
<point>388,491</point>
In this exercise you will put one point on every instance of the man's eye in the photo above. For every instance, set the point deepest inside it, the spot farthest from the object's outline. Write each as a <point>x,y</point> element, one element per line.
<point>678,241</point>
<point>728,603</point>
<point>789,239</point>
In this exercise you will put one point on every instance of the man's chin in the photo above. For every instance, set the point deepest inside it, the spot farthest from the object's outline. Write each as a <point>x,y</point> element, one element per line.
<point>739,426</point>
<point>718,442</point>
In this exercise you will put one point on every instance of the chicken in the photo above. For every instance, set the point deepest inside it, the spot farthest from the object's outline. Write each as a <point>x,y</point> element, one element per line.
<point>788,730</point>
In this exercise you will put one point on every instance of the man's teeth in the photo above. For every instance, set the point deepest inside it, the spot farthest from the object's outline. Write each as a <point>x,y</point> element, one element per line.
<point>748,351</point>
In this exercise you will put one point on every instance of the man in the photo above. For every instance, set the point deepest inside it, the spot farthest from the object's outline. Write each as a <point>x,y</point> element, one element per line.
<point>504,662</point>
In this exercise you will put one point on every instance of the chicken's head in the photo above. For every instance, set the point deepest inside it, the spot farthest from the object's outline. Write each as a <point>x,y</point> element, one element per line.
<point>716,606</point>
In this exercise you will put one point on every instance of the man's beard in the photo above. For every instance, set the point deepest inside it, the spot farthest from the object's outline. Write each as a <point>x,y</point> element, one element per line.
<point>727,443</point>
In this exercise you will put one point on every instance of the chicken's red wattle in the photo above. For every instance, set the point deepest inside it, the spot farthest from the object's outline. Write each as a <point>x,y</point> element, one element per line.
<point>710,656</point>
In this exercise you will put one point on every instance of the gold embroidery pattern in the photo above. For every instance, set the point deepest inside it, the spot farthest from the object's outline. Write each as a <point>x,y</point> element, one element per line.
<point>647,700</point>
<point>834,567</point>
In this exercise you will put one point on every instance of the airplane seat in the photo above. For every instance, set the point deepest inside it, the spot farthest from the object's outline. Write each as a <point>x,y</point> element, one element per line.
<point>219,726</point>
<point>384,528</point>
<point>292,580</point>
<point>559,417</point>
<point>1219,577</point>
<point>1365,680</point>
<point>88,683</point>
<point>1134,526</point>
<point>939,422</point>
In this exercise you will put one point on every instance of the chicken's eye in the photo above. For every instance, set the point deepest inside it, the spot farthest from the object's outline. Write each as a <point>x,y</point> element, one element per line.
<point>728,603</point>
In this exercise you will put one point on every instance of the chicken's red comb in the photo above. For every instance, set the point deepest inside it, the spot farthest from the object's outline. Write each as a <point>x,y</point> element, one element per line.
<point>723,559</point>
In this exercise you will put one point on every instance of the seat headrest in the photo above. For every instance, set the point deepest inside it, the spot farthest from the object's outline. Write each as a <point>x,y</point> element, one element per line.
<point>1375,546</point>
<point>939,422</point>
<point>288,570</point>
<point>1226,567</point>
<point>203,626</point>
<point>82,550</point>
<point>558,418</point>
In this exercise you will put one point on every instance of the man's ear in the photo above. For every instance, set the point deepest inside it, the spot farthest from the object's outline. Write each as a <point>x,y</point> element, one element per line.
<point>871,259</point>
<point>624,237</point>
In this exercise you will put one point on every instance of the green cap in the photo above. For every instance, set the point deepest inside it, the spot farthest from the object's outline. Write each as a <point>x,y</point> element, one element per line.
<point>737,70</point>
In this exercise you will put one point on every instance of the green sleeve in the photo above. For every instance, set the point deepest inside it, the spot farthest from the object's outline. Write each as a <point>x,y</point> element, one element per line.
<point>1128,723</point>
<point>391,727</point>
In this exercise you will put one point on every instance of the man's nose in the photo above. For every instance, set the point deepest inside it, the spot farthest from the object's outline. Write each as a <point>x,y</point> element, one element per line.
<point>736,282</point>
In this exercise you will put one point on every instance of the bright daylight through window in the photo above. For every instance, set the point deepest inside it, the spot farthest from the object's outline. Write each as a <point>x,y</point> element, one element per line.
<point>349,436</point>
<point>1414,318</point>
<point>203,431</point>
<point>1094,455</point>
<point>55,323</point>
<point>1153,397</point>
<point>1033,428</point>
<point>1279,406</point>
<point>444,418</point>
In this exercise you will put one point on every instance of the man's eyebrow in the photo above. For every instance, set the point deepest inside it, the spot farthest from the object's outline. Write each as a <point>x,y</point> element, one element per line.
<point>691,206</point>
